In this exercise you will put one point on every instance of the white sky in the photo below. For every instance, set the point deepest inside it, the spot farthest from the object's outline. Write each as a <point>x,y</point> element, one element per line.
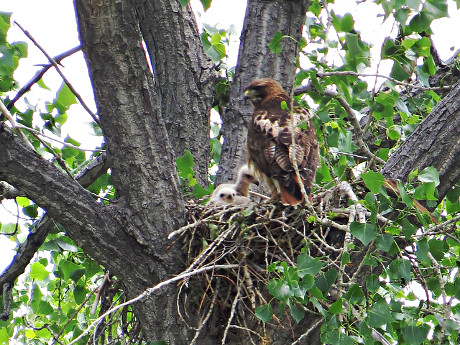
<point>53,24</point>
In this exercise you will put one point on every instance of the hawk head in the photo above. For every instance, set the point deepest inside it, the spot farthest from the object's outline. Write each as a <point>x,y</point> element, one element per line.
<point>262,89</point>
<point>226,195</point>
<point>247,176</point>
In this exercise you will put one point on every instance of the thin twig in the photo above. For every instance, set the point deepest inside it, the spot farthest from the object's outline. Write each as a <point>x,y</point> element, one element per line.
<point>232,312</point>
<point>40,74</point>
<point>14,125</point>
<point>38,133</point>
<point>56,66</point>
<point>408,85</point>
<point>149,292</point>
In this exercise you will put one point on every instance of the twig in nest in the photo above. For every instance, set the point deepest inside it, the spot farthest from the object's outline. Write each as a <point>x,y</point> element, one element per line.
<point>232,312</point>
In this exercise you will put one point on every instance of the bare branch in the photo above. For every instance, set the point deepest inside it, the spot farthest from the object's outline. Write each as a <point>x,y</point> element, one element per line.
<point>40,74</point>
<point>51,60</point>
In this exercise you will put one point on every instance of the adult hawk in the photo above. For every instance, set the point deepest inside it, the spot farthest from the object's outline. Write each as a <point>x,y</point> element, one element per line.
<point>277,137</point>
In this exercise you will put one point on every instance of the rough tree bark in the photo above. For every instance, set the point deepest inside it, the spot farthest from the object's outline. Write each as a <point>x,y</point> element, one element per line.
<point>255,60</point>
<point>184,77</point>
<point>435,142</point>
<point>129,236</point>
<point>149,204</point>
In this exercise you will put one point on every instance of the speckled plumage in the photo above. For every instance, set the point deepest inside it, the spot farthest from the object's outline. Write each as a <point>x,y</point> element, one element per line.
<point>270,146</point>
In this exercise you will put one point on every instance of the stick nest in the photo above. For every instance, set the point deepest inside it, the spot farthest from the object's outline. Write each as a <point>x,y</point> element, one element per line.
<point>254,237</point>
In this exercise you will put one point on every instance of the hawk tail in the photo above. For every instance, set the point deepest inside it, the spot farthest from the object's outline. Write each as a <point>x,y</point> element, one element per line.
<point>291,194</point>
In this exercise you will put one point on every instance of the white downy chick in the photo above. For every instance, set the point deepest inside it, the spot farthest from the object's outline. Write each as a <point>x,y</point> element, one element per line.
<point>241,186</point>
<point>223,196</point>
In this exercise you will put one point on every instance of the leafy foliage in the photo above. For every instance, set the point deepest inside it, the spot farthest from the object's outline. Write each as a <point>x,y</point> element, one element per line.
<point>410,293</point>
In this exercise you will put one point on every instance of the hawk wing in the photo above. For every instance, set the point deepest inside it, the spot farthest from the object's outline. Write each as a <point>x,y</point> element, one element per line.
<point>271,150</point>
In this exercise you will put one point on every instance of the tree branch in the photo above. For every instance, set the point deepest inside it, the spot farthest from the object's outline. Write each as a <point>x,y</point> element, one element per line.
<point>39,75</point>
<point>56,66</point>
<point>38,234</point>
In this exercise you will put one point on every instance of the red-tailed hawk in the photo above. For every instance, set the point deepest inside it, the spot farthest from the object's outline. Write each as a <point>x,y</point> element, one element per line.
<point>224,196</point>
<point>243,181</point>
<point>270,147</point>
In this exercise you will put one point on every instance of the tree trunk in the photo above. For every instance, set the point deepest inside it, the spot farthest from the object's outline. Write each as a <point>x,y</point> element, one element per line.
<point>149,204</point>
<point>435,142</point>
<point>255,60</point>
<point>184,77</point>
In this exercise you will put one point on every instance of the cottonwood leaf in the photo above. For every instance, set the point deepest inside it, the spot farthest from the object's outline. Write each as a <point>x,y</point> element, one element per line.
<point>264,312</point>
<point>363,232</point>
<point>38,271</point>
<point>429,174</point>
<point>379,314</point>
<point>373,181</point>
<point>414,335</point>
<point>275,43</point>
<point>307,265</point>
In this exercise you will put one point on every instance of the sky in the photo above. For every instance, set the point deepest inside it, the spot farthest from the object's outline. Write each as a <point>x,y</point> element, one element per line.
<point>53,24</point>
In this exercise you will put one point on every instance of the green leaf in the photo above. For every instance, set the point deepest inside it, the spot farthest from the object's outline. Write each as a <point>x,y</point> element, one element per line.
<point>345,259</point>
<point>279,289</point>
<point>44,307</point>
<point>354,295</point>
<point>185,164</point>
<point>77,274</point>
<point>433,284</point>
<point>336,307</point>
<point>435,8</point>
<point>199,192</point>
<point>379,314</point>
<point>400,269</point>
<point>408,228</point>
<point>429,174</point>
<point>422,251</point>
<point>68,268</point>
<point>421,22</point>
<point>438,248</point>
<point>38,271</point>
<point>426,191</point>
<point>4,336</point>
<point>65,98</point>
<point>79,293</point>
<point>206,4</point>
<point>325,281</point>
<point>66,246</point>
<point>398,72</point>
<point>307,282</point>
<point>347,23</point>
<point>384,242</point>
<point>297,312</point>
<point>414,335</point>
<point>264,312</point>
<point>363,231</point>
<point>337,338</point>
<point>275,43</point>
<point>307,265</point>
<point>373,181</point>
<point>184,3</point>
<point>406,198</point>
<point>372,282</point>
